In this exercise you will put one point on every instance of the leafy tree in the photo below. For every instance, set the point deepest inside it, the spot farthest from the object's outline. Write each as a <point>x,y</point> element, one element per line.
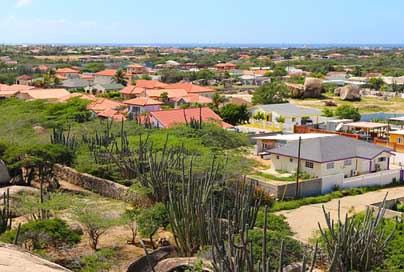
<point>348,112</point>
<point>129,218</point>
<point>119,77</point>
<point>376,83</point>
<point>217,100</point>
<point>164,97</point>
<point>357,71</point>
<point>234,114</point>
<point>328,112</point>
<point>94,219</point>
<point>151,219</point>
<point>259,115</point>
<point>279,72</point>
<point>271,93</point>
<point>42,234</point>
<point>93,67</point>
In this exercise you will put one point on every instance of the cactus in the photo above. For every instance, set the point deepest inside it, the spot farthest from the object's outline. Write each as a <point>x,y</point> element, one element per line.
<point>59,137</point>
<point>355,244</point>
<point>5,213</point>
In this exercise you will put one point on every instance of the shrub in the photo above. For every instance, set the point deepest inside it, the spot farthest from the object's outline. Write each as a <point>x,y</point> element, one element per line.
<point>100,261</point>
<point>43,234</point>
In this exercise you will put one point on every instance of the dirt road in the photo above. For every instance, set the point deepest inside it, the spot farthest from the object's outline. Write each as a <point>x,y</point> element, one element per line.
<point>303,220</point>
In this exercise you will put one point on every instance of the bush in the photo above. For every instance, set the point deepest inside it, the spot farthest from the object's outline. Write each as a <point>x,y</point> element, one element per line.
<point>100,261</point>
<point>348,112</point>
<point>43,234</point>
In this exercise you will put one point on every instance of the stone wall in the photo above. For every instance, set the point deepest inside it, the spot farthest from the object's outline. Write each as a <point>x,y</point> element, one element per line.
<point>97,185</point>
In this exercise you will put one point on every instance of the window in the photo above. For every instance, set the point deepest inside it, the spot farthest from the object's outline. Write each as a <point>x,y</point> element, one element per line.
<point>330,165</point>
<point>293,119</point>
<point>309,164</point>
<point>381,159</point>
<point>290,160</point>
<point>399,140</point>
<point>347,162</point>
<point>277,157</point>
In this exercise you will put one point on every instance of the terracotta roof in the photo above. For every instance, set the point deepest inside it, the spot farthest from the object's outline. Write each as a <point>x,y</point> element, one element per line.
<point>15,87</point>
<point>104,104</point>
<point>150,84</point>
<point>106,72</point>
<point>87,77</point>
<point>132,90</point>
<point>81,95</point>
<point>191,88</point>
<point>135,65</point>
<point>46,93</point>
<point>143,101</point>
<point>227,64</point>
<point>171,93</point>
<point>168,118</point>
<point>25,77</point>
<point>8,93</point>
<point>194,98</point>
<point>112,114</point>
<point>67,70</point>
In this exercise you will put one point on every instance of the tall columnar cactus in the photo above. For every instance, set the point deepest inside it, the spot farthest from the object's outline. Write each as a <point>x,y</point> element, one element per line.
<point>59,136</point>
<point>5,213</point>
<point>356,243</point>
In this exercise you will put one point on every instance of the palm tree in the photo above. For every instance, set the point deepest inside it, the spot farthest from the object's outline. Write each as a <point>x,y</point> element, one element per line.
<point>119,77</point>
<point>217,99</point>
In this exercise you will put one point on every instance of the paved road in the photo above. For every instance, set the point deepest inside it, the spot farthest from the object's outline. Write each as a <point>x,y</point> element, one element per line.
<point>303,220</point>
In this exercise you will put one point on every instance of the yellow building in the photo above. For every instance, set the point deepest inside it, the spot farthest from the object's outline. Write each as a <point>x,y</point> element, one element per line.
<point>396,137</point>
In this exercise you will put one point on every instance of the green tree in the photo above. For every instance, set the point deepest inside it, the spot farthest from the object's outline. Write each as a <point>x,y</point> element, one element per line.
<point>217,100</point>
<point>328,112</point>
<point>271,93</point>
<point>129,218</point>
<point>151,219</point>
<point>357,71</point>
<point>119,77</point>
<point>279,72</point>
<point>376,83</point>
<point>348,112</point>
<point>234,114</point>
<point>94,219</point>
<point>164,97</point>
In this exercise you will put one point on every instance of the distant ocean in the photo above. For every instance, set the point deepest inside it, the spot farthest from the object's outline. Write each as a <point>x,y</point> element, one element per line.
<point>230,45</point>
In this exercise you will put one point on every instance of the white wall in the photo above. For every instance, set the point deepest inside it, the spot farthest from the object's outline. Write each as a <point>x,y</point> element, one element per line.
<point>379,178</point>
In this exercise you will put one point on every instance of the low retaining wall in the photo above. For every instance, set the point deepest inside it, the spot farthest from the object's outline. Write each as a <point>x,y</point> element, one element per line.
<point>327,184</point>
<point>97,185</point>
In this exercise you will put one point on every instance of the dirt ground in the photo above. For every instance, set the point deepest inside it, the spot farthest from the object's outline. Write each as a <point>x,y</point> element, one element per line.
<point>304,220</point>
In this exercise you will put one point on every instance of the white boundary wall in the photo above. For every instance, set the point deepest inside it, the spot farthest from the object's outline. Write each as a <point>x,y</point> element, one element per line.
<point>329,182</point>
<point>373,179</point>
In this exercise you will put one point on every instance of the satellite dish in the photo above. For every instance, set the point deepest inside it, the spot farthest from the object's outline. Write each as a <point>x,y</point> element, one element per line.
<point>339,126</point>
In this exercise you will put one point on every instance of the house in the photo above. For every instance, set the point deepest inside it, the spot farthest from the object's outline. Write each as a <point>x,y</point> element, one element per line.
<point>171,93</point>
<point>45,94</point>
<point>193,89</point>
<point>136,69</point>
<point>326,156</point>
<point>396,136</point>
<point>142,104</point>
<point>74,83</point>
<point>267,142</point>
<point>189,66</point>
<point>222,67</point>
<point>170,118</point>
<point>24,80</point>
<point>287,114</point>
<point>7,91</point>
<point>65,73</point>
<point>104,88</point>
<point>105,76</point>
<point>131,91</point>
<point>107,108</point>
<point>191,99</point>
<point>151,84</point>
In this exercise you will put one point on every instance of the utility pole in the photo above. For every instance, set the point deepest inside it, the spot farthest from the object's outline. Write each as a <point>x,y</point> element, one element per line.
<point>298,167</point>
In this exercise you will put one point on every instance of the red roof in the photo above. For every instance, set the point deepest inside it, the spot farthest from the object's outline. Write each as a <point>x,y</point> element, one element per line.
<point>67,71</point>
<point>24,77</point>
<point>112,114</point>
<point>150,84</point>
<point>135,65</point>
<point>191,88</point>
<point>171,93</point>
<point>106,72</point>
<point>142,101</point>
<point>104,104</point>
<point>132,90</point>
<point>194,98</point>
<point>168,118</point>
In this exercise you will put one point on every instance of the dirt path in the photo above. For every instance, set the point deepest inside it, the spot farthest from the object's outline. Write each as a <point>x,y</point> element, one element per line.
<point>304,220</point>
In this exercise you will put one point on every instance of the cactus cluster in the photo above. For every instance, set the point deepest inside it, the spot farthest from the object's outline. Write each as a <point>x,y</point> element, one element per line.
<point>5,213</point>
<point>59,136</point>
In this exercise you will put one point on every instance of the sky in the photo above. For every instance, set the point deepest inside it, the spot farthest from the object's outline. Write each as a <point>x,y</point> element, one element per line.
<point>203,22</point>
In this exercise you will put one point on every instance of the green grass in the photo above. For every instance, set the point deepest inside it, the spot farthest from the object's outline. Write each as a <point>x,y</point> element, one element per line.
<point>269,177</point>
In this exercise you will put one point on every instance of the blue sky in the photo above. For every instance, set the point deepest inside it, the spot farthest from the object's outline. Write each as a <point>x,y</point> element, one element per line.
<point>206,21</point>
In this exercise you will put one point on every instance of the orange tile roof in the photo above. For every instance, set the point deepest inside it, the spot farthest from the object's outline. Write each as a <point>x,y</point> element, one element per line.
<point>194,98</point>
<point>132,90</point>
<point>171,93</point>
<point>191,88</point>
<point>106,72</point>
<point>112,114</point>
<point>25,77</point>
<point>8,93</point>
<point>15,87</point>
<point>168,118</point>
<point>143,101</point>
<point>104,104</point>
<point>81,95</point>
<point>135,65</point>
<point>67,70</point>
<point>150,84</point>
<point>87,77</point>
<point>46,93</point>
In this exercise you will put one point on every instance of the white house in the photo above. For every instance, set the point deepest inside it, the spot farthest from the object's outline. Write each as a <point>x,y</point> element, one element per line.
<point>142,104</point>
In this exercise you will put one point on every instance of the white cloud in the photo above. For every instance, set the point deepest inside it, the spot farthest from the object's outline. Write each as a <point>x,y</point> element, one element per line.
<point>23,3</point>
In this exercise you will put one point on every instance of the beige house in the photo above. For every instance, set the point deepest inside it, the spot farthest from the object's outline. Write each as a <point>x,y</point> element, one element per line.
<point>327,156</point>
